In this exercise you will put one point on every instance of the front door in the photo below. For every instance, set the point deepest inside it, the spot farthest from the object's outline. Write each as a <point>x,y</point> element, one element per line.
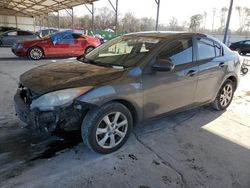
<point>167,91</point>
<point>60,44</point>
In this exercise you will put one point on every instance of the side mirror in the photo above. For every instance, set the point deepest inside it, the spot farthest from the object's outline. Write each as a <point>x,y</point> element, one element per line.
<point>163,65</point>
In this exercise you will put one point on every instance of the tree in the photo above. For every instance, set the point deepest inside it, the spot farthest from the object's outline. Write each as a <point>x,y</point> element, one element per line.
<point>223,12</point>
<point>104,18</point>
<point>173,24</point>
<point>244,16</point>
<point>195,22</point>
<point>147,24</point>
<point>130,23</point>
<point>85,22</point>
<point>214,13</point>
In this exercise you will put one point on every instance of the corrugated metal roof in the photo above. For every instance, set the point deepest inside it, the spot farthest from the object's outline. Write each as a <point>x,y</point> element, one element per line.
<point>37,7</point>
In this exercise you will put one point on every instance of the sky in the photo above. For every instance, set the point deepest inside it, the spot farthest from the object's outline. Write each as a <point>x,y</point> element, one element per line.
<point>181,9</point>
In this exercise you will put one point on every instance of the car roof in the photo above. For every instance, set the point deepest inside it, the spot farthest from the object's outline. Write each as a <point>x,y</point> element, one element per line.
<point>165,34</point>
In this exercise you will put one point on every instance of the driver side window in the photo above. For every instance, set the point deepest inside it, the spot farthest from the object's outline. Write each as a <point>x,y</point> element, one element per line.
<point>178,52</point>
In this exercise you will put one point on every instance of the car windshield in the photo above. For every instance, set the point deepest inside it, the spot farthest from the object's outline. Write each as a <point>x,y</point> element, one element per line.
<point>125,51</point>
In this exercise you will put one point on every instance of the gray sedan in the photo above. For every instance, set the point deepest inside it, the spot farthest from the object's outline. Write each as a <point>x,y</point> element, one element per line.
<point>125,81</point>
<point>8,38</point>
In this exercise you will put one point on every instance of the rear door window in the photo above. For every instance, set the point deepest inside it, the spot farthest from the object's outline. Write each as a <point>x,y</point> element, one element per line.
<point>206,49</point>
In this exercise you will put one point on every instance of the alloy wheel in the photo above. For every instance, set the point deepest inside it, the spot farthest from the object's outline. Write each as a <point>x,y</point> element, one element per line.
<point>111,130</point>
<point>36,53</point>
<point>226,95</point>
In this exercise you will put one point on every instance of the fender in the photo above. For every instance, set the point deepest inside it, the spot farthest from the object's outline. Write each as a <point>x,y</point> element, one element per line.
<point>104,94</point>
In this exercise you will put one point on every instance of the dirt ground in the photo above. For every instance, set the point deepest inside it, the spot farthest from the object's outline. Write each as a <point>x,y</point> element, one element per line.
<point>196,148</point>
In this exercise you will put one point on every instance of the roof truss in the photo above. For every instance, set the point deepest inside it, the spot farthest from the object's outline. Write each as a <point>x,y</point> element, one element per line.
<point>37,7</point>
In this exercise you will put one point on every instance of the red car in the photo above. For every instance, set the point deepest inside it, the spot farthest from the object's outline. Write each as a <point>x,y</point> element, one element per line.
<point>61,44</point>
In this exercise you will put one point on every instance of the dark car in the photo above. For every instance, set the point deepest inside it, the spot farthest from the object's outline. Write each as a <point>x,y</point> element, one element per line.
<point>61,44</point>
<point>5,28</point>
<point>8,38</point>
<point>242,47</point>
<point>126,81</point>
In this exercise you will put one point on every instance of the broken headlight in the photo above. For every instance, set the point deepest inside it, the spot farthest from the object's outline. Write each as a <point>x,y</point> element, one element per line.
<point>58,98</point>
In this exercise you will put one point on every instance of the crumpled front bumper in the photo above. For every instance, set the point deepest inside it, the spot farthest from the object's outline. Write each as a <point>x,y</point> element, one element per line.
<point>62,118</point>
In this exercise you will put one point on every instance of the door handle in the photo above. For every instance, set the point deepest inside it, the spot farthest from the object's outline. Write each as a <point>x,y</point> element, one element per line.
<point>191,73</point>
<point>221,65</point>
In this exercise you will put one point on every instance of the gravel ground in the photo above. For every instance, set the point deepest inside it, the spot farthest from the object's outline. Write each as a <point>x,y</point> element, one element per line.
<point>196,148</point>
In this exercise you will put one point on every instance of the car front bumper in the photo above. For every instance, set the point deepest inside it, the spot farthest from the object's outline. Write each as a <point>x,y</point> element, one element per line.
<point>19,51</point>
<point>62,118</point>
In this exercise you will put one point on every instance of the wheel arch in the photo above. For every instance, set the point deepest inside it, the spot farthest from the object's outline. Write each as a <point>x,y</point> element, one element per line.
<point>233,79</point>
<point>130,107</point>
<point>37,47</point>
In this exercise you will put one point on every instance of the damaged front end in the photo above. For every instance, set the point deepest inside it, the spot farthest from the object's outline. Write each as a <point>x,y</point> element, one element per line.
<point>67,116</point>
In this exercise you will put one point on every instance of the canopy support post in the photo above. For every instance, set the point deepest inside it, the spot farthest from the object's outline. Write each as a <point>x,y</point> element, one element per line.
<point>228,21</point>
<point>92,12</point>
<point>157,15</point>
<point>115,8</point>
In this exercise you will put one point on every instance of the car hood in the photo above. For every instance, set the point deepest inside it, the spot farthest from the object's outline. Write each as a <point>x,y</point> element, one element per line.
<point>56,76</point>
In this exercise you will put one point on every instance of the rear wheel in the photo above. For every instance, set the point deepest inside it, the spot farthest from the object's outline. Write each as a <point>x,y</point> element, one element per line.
<point>225,96</point>
<point>244,70</point>
<point>106,129</point>
<point>35,53</point>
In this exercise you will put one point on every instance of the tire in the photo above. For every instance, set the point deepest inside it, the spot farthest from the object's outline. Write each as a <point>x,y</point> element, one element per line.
<point>1,43</point>
<point>238,50</point>
<point>35,53</point>
<point>96,120</point>
<point>89,49</point>
<point>244,70</point>
<point>224,96</point>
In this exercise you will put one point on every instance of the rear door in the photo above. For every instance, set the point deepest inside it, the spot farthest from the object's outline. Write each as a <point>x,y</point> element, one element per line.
<point>212,66</point>
<point>167,91</point>
<point>77,48</point>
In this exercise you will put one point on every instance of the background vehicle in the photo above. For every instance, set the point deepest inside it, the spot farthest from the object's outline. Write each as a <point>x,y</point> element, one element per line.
<point>4,29</point>
<point>8,38</point>
<point>46,32</point>
<point>125,81</point>
<point>61,44</point>
<point>242,47</point>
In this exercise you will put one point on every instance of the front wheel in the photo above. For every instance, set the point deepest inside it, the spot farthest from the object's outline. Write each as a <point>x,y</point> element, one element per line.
<point>238,50</point>
<point>89,49</point>
<point>225,96</point>
<point>35,53</point>
<point>106,129</point>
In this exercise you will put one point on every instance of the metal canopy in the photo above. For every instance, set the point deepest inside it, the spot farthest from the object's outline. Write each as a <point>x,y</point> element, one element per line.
<point>37,7</point>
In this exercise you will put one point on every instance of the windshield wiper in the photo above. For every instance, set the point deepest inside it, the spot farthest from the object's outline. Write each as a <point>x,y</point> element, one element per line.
<point>102,64</point>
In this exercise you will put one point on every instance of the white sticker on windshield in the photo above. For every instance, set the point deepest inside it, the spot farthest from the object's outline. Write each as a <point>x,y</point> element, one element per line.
<point>148,40</point>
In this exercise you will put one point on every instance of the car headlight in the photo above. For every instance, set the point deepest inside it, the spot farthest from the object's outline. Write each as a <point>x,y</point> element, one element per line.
<point>58,98</point>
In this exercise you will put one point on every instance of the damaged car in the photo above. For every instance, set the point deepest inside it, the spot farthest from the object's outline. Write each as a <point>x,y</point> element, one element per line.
<point>126,81</point>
